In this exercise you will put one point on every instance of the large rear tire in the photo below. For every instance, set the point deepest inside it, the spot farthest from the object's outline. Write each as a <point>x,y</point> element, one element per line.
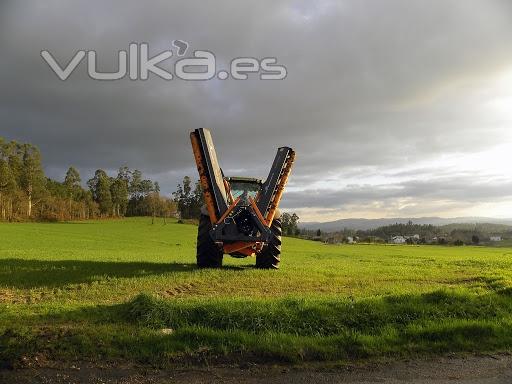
<point>208,253</point>
<point>270,256</point>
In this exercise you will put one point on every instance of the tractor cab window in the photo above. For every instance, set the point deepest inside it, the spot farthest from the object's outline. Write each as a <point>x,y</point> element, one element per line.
<point>244,190</point>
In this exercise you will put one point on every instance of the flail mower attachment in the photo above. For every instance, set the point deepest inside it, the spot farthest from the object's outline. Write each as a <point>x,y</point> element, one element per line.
<point>240,216</point>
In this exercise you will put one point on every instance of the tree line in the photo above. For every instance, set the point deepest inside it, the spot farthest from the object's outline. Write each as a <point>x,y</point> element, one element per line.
<point>26,192</point>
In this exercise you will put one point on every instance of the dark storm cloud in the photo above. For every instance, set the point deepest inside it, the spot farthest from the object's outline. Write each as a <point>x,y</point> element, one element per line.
<point>371,85</point>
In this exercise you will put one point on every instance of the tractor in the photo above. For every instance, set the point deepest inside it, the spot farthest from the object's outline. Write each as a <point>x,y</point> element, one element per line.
<point>240,216</point>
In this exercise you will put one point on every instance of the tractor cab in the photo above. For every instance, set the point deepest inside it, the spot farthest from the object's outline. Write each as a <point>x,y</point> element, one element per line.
<point>243,187</point>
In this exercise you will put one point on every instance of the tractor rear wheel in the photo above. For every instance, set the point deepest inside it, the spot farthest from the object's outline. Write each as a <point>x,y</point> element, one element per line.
<point>270,256</point>
<point>209,255</point>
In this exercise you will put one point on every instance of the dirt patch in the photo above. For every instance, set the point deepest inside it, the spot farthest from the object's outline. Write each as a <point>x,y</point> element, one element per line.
<point>489,369</point>
<point>183,289</point>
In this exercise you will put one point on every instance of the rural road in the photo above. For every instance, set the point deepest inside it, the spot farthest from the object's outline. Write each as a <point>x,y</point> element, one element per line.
<point>495,369</point>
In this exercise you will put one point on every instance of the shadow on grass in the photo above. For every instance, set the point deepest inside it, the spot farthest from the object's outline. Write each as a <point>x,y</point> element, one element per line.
<point>26,274</point>
<point>67,222</point>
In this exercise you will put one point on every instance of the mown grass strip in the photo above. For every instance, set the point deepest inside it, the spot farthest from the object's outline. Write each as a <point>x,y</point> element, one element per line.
<point>288,330</point>
<point>317,317</point>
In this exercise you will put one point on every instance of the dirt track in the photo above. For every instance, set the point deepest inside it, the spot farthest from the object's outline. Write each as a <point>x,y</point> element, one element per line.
<point>496,369</point>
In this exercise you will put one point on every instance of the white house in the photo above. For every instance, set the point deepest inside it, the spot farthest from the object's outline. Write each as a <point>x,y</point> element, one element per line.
<point>495,238</point>
<point>398,240</point>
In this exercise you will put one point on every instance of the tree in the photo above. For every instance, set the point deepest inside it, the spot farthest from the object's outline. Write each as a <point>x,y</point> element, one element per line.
<point>99,186</point>
<point>189,202</point>
<point>197,201</point>
<point>146,187</point>
<point>119,190</point>
<point>285,223</point>
<point>179,199</point>
<point>318,233</point>
<point>294,224</point>
<point>168,208</point>
<point>7,190</point>
<point>32,176</point>
<point>91,207</point>
<point>182,198</point>
<point>135,187</point>
<point>154,202</point>
<point>124,174</point>
<point>475,239</point>
<point>72,183</point>
<point>289,224</point>
<point>14,154</point>
<point>187,186</point>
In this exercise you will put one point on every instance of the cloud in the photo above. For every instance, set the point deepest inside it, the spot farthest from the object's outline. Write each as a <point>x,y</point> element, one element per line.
<point>373,88</point>
<point>461,189</point>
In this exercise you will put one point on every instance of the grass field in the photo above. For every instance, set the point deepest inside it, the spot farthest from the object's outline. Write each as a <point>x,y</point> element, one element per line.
<point>130,290</point>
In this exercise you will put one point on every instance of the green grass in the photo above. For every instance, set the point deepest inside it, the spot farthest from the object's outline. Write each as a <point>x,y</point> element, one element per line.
<point>105,290</point>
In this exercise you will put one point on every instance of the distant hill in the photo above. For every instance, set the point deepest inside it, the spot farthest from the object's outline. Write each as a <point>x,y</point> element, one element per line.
<point>365,224</point>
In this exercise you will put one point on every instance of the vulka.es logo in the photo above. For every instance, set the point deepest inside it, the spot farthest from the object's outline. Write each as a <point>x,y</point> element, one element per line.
<point>137,65</point>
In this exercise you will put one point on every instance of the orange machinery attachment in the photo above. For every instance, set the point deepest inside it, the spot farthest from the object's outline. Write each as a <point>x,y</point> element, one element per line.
<point>239,225</point>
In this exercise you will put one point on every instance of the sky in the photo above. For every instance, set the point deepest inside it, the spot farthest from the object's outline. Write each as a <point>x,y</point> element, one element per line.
<point>394,108</point>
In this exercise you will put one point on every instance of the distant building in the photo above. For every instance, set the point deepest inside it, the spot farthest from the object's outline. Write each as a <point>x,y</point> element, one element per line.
<point>331,240</point>
<point>495,238</point>
<point>350,239</point>
<point>398,240</point>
